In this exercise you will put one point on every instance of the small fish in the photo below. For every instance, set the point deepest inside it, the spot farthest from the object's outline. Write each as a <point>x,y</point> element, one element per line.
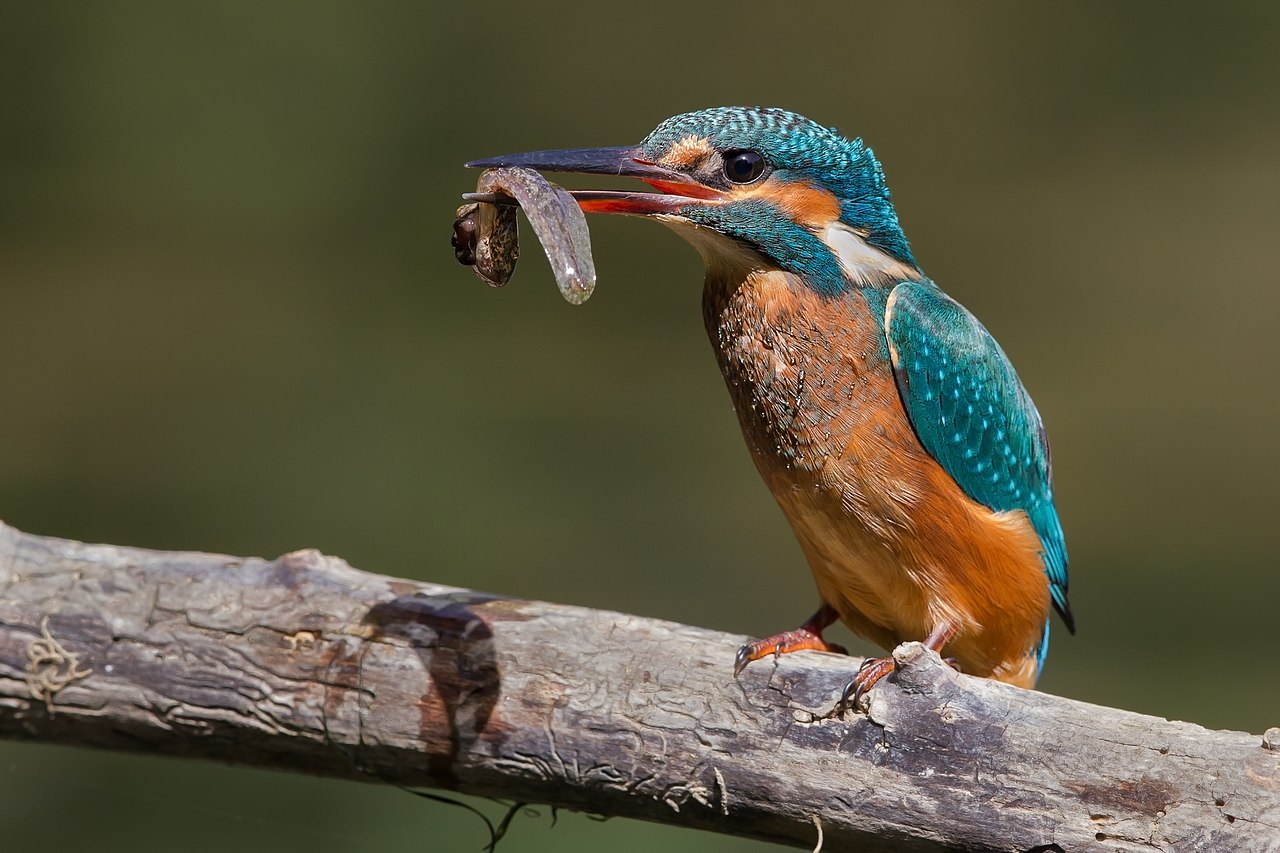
<point>485,235</point>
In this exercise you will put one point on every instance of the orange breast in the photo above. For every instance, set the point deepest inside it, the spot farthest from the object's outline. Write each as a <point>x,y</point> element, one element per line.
<point>895,545</point>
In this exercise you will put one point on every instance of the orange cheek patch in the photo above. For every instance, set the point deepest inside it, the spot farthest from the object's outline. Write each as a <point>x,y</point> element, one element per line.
<point>686,153</point>
<point>806,204</point>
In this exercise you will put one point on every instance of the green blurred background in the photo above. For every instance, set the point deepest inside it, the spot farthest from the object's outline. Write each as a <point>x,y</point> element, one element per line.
<point>230,320</point>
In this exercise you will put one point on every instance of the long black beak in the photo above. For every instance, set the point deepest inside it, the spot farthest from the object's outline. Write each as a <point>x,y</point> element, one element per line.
<point>625,162</point>
<point>677,189</point>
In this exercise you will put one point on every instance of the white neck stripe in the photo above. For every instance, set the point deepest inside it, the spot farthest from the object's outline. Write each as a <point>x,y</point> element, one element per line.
<point>864,264</point>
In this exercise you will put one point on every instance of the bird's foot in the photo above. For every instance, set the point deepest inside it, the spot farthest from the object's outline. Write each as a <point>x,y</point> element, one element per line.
<point>801,639</point>
<point>871,671</point>
<point>807,637</point>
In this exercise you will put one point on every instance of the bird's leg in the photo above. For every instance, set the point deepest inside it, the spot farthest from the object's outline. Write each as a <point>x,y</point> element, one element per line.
<point>874,669</point>
<point>807,636</point>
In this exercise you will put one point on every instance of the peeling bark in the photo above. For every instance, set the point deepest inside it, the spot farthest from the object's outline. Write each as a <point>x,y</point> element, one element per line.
<point>304,663</point>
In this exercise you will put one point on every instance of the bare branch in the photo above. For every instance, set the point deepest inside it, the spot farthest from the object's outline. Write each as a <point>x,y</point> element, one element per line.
<point>307,664</point>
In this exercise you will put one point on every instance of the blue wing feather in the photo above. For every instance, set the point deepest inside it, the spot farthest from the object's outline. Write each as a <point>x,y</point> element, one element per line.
<point>972,414</point>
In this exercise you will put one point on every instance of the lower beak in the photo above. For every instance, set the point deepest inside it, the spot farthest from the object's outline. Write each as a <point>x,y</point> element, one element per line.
<point>675,190</point>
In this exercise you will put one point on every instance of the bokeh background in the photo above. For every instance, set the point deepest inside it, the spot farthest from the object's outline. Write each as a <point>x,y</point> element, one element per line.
<point>230,320</point>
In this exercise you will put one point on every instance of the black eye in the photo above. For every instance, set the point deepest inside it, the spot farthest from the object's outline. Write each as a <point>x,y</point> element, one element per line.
<point>743,166</point>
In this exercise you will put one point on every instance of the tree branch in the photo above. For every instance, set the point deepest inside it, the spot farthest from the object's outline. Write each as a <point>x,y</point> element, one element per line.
<point>307,664</point>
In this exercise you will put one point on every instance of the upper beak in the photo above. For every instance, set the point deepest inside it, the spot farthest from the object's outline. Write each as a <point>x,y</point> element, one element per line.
<point>676,190</point>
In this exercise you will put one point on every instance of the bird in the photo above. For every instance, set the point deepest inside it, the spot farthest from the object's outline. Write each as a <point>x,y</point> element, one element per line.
<point>891,428</point>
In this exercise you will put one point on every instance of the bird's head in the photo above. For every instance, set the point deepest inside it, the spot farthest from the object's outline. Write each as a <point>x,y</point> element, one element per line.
<point>750,185</point>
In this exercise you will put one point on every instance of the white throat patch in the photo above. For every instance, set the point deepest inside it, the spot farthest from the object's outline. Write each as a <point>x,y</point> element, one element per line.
<point>723,256</point>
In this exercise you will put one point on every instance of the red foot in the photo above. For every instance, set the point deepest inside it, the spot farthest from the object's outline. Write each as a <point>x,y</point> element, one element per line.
<point>874,669</point>
<point>781,644</point>
<point>871,671</point>
<point>807,637</point>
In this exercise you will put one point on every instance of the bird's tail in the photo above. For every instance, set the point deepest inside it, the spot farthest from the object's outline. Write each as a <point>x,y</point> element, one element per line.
<point>1042,651</point>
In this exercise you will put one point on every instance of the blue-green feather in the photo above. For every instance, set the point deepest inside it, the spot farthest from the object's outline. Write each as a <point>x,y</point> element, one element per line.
<point>973,415</point>
<point>793,143</point>
<point>793,247</point>
<point>1042,651</point>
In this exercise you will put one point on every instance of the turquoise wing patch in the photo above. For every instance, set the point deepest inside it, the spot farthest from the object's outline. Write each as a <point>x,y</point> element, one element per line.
<point>972,414</point>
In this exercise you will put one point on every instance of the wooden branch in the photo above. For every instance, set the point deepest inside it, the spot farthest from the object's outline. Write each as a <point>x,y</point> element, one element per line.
<point>307,664</point>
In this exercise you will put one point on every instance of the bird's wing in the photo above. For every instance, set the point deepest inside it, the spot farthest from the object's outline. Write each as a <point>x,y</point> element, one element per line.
<point>972,414</point>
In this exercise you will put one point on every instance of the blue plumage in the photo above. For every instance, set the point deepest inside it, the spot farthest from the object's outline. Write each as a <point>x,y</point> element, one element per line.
<point>796,144</point>
<point>974,417</point>
<point>794,247</point>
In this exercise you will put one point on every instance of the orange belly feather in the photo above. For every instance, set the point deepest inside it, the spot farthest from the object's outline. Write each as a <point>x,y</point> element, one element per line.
<point>895,545</point>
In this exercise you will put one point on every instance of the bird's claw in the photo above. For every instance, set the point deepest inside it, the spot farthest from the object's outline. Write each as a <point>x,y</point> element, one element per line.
<point>868,674</point>
<point>780,644</point>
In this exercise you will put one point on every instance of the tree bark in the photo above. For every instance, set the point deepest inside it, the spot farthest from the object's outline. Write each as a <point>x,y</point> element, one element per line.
<point>304,663</point>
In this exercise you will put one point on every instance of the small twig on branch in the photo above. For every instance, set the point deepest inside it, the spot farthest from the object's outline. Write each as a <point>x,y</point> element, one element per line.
<point>304,663</point>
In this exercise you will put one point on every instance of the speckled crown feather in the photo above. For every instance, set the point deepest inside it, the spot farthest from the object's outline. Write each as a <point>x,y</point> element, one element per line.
<point>793,143</point>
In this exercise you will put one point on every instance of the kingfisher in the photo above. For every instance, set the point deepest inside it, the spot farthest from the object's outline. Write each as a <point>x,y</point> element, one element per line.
<point>889,425</point>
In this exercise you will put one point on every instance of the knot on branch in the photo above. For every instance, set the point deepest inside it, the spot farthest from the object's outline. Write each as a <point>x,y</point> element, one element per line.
<point>50,667</point>
<point>918,669</point>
